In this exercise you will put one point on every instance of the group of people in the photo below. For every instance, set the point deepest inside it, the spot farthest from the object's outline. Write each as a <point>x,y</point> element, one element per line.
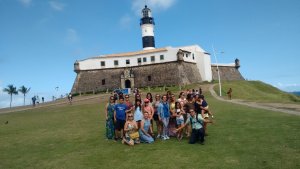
<point>132,122</point>
<point>36,100</point>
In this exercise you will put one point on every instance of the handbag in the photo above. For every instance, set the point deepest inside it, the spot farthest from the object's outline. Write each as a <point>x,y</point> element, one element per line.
<point>134,135</point>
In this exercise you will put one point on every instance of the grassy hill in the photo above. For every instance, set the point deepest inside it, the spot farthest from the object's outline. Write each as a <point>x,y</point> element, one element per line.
<point>256,91</point>
<point>72,136</point>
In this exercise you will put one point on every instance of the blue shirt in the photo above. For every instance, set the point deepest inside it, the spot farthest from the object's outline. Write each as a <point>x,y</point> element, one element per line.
<point>204,103</point>
<point>164,110</point>
<point>147,125</point>
<point>120,111</point>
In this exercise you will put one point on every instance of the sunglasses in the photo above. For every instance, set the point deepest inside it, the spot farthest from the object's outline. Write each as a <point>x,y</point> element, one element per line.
<point>130,116</point>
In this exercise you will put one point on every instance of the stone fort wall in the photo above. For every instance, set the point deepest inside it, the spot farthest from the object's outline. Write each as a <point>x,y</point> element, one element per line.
<point>172,73</point>
<point>227,73</point>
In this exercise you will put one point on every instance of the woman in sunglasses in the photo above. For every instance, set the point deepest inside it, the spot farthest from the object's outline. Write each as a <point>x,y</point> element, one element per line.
<point>131,133</point>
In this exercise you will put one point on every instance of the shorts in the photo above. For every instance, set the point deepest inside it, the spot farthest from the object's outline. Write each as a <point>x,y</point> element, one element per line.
<point>155,117</point>
<point>119,124</point>
<point>179,121</point>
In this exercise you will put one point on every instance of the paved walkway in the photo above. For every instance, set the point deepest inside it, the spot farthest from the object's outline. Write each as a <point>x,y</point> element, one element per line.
<point>279,107</point>
<point>59,102</point>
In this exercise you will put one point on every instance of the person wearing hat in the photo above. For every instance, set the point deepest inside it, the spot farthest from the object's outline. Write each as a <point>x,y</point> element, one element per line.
<point>147,107</point>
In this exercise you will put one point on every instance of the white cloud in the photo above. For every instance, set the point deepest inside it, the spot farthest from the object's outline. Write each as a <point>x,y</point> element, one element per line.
<point>72,36</point>
<point>125,21</point>
<point>25,3</point>
<point>57,5</point>
<point>137,5</point>
<point>290,87</point>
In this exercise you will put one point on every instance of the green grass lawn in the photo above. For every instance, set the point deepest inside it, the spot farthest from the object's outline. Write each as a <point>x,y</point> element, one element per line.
<point>72,136</point>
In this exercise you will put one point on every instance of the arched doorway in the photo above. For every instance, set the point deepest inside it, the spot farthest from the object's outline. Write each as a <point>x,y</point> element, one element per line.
<point>127,83</point>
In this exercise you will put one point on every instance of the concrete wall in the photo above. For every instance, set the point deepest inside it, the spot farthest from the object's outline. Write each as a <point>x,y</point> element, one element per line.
<point>226,73</point>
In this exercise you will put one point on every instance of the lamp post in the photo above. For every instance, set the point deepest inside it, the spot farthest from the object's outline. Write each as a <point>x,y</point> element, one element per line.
<point>220,88</point>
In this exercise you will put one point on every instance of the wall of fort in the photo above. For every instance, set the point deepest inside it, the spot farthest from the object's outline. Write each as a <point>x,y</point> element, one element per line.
<point>171,73</point>
<point>226,73</point>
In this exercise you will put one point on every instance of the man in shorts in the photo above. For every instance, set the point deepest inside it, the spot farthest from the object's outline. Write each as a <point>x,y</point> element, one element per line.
<point>120,118</point>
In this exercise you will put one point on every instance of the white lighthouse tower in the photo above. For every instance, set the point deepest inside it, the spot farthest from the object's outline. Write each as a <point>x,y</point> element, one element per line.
<point>147,26</point>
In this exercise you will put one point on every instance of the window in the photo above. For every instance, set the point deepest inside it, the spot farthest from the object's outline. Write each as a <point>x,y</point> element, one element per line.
<point>116,63</point>
<point>127,62</point>
<point>186,55</point>
<point>193,57</point>
<point>145,59</point>
<point>162,57</point>
<point>103,81</point>
<point>152,58</point>
<point>149,78</point>
<point>102,63</point>
<point>139,60</point>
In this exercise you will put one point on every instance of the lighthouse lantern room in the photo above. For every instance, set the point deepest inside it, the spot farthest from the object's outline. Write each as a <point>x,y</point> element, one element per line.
<point>147,26</point>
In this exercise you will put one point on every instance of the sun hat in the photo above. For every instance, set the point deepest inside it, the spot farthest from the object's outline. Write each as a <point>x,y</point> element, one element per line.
<point>146,100</point>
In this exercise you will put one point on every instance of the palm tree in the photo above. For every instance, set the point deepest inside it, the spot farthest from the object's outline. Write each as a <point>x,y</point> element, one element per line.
<point>24,91</point>
<point>10,90</point>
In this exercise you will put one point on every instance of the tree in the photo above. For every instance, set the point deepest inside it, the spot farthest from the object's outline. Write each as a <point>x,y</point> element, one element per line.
<point>10,90</point>
<point>24,91</point>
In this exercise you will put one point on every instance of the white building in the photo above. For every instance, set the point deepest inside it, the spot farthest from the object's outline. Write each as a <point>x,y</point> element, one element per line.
<point>192,54</point>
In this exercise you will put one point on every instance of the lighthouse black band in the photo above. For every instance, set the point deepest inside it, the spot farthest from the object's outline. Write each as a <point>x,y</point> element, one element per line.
<point>147,20</point>
<point>148,41</point>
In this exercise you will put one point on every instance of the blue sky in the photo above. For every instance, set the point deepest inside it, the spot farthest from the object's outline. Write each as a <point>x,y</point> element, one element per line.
<point>41,39</point>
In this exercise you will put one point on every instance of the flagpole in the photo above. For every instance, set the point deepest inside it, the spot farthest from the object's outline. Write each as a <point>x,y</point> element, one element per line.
<point>220,88</point>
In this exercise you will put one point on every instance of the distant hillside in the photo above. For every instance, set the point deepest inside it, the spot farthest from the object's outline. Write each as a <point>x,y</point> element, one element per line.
<point>257,91</point>
<point>296,93</point>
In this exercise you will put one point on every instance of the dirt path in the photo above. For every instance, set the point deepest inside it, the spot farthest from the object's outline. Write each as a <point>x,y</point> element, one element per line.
<point>279,107</point>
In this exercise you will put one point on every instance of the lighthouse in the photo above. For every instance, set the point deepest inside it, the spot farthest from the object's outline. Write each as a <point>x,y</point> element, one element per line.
<point>147,26</point>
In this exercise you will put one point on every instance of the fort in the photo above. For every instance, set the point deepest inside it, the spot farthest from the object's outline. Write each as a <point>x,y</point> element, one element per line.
<point>150,66</point>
